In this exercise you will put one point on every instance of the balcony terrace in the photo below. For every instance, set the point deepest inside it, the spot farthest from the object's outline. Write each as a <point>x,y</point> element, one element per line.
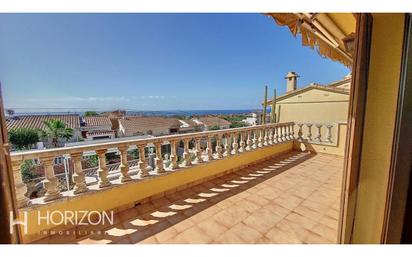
<point>260,184</point>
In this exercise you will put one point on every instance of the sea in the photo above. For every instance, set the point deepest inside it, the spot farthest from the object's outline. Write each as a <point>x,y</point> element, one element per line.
<point>152,113</point>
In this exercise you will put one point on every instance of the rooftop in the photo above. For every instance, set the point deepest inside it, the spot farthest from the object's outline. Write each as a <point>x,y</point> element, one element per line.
<point>93,121</point>
<point>37,121</point>
<point>213,121</point>
<point>291,198</point>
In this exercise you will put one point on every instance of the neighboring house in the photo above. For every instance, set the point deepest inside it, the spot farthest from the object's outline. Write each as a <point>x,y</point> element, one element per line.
<point>211,121</point>
<point>96,127</point>
<point>321,103</point>
<point>155,126</point>
<point>37,122</point>
<point>188,126</point>
<point>252,121</point>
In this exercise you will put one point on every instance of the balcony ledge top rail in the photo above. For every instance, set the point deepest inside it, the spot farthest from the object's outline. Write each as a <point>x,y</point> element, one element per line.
<point>30,154</point>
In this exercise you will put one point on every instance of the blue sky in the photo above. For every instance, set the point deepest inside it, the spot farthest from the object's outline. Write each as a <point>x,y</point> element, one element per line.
<point>150,61</point>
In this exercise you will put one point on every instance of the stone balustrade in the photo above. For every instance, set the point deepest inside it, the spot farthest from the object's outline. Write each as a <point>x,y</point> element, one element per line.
<point>317,133</point>
<point>219,144</point>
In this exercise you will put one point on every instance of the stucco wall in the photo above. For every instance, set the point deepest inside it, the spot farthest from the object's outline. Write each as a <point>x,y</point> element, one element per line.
<point>314,105</point>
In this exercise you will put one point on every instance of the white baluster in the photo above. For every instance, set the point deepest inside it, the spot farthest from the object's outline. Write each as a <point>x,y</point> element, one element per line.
<point>51,182</point>
<point>159,158</point>
<point>102,171</point>
<point>173,155</point>
<point>318,135</point>
<point>187,159</point>
<point>329,133</point>
<point>219,154</point>
<point>143,166</point>
<point>124,165</point>
<point>78,177</point>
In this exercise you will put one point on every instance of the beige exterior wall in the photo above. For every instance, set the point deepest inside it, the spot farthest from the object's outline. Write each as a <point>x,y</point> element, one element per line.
<point>314,105</point>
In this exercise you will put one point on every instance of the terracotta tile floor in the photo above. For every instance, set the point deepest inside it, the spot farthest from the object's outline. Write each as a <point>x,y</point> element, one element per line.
<point>293,198</point>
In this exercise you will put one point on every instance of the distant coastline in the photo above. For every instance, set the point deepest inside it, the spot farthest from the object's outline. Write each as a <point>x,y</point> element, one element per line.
<point>153,113</point>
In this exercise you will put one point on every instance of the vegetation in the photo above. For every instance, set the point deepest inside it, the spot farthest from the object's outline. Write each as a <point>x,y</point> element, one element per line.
<point>23,138</point>
<point>90,113</point>
<point>238,124</point>
<point>28,171</point>
<point>215,127</point>
<point>55,130</point>
<point>236,120</point>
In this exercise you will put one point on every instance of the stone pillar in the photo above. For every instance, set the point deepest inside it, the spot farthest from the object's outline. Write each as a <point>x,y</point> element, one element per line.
<point>124,165</point>
<point>209,148</point>
<point>270,136</point>
<point>260,138</point>
<point>103,172</point>
<point>309,125</point>
<point>159,158</point>
<point>235,145</point>
<point>249,140</point>
<point>265,136</point>
<point>79,179</point>
<point>187,161</point>
<point>51,183</point>
<point>219,154</point>
<point>283,129</point>
<point>329,133</point>
<point>255,138</point>
<point>19,185</point>
<point>198,151</point>
<point>144,170</point>
<point>276,135</point>
<point>173,155</point>
<point>300,137</point>
<point>242,142</point>
<point>318,135</point>
<point>292,131</point>
<point>227,145</point>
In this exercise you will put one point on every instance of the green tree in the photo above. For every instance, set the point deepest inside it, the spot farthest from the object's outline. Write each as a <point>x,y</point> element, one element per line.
<point>23,138</point>
<point>28,171</point>
<point>214,127</point>
<point>239,124</point>
<point>90,113</point>
<point>56,129</point>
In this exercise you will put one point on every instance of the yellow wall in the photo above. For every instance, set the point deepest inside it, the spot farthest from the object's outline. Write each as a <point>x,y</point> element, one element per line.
<point>314,105</point>
<point>122,195</point>
<point>339,137</point>
<point>383,84</point>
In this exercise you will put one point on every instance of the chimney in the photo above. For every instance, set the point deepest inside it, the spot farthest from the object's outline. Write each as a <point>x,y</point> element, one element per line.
<point>291,81</point>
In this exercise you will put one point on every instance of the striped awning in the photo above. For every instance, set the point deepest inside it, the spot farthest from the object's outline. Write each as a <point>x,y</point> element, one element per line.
<point>326,33</point>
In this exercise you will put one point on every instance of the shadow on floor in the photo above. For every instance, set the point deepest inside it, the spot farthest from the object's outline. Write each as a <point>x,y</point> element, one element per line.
<point>137,224</point>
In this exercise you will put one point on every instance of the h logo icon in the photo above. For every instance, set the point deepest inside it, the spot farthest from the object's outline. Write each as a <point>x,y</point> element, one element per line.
<point>18,222</point>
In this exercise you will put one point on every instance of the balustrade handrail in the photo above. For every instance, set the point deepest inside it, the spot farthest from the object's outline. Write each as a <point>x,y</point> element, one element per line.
<point>54,152</point>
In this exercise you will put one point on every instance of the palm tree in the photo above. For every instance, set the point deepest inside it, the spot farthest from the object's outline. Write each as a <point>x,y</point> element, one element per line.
<point>56,129</point>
